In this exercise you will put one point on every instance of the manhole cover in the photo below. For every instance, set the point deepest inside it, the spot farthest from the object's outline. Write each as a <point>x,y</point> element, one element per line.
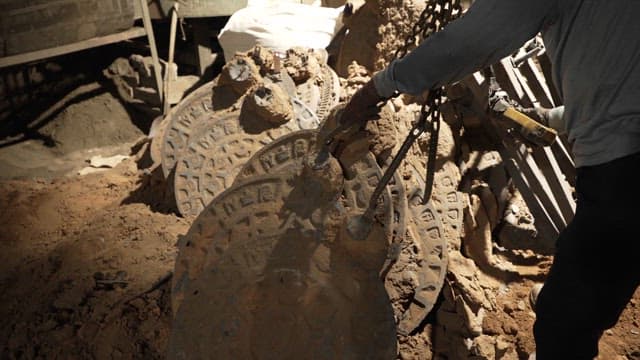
<point>278,275</point>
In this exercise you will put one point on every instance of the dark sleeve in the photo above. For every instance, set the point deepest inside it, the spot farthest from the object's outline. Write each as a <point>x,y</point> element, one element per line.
<point>489,31</point>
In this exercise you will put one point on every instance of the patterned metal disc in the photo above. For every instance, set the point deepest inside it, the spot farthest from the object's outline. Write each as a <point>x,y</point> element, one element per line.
<point>422,263</point>
<point>211,161</point>
<point>416,262</point>
<point>192,110</point>
<point>321,96</point>
<point>416,279</point>
<point>280,156</point>
<point>286,154</point>
<point>155,149</point>
<point>447,197</point>
<point>273,284</point>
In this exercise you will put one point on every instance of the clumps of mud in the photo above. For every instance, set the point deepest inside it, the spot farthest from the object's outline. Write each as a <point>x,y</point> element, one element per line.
<point>302,64</point>
<point>375,31</point>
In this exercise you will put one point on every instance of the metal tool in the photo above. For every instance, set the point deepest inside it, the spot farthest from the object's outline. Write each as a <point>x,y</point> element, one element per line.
<point>530,129</point>
<point>359,226</point>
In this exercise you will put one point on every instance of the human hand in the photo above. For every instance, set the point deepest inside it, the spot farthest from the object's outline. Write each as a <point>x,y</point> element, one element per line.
<point>363,105</point>
<point>539,114</point>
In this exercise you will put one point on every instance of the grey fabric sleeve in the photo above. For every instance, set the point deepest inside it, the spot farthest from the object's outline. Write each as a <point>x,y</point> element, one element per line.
<point>489,31</point>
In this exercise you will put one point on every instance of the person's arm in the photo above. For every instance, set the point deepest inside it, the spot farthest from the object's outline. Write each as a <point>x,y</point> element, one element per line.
<point>489,31</point>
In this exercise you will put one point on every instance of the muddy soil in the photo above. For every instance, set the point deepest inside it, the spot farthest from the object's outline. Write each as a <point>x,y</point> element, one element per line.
<point>58,236</point>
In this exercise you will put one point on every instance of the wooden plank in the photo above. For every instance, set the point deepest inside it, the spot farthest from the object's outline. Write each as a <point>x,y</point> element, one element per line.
<point>205,8</point>
<point>537,83</point>
<point>557,182</point>
<point>146,20</point>
<point>508,80</point>
<point>536,180</point>
<point>69,48</point>
<point>565,161</point>
<point>545,65</point>
<point>202,42</point>
<point>172,46</point>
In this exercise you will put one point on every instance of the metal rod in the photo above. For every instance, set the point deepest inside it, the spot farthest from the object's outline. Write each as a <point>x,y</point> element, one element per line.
<point>172,47</point>
<point>415,133</point>
<point>146,20</point>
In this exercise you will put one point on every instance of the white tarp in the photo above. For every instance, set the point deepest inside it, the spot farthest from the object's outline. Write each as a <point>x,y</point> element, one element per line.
<point>278,25</point>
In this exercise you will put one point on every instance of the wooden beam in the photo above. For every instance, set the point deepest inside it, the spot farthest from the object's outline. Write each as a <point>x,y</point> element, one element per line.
<point>69,48</point>
<point>545,65</point>
<point>509,82</point>
<point>146,20</point>
<point>558,185</point>
<point>537,83</point>
<point>172,46</point>
<point>202,41</point>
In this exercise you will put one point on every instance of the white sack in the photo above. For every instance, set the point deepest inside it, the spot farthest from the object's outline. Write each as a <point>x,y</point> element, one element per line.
<point>279,26</point>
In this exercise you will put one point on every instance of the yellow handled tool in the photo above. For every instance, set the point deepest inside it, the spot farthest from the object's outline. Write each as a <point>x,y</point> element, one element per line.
<point>529,128</point>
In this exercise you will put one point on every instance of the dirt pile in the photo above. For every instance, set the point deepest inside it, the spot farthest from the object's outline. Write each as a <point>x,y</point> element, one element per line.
<point>96,122</point>
<point>57,236</point>
<point>89,121</point>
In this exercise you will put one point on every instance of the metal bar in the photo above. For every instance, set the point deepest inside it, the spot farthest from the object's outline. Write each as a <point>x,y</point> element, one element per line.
<point>69,48</point>
<point>202,42</point>
<point>172,47</point>
<point>146,20</point>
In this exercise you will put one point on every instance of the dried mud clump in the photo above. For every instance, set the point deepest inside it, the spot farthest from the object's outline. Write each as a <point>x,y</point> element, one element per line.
<point>264,58</point>
<point>376,31</point>
<point>357,76</point>
<point>271,103</point>
<point>241,74</point>
<point>301,64</point>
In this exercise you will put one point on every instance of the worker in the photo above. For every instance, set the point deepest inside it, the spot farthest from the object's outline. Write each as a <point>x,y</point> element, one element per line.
<point>594,47</point>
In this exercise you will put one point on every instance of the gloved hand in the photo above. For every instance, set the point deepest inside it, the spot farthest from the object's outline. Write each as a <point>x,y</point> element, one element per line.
<point>538,114</point>
<point>553,118</point>
<point>363,106</point>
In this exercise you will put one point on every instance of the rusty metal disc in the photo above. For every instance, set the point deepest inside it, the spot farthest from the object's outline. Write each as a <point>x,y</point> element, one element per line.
<point>280,156</point>
<point>155,150</point>
<point>448,200</point>
<point>417,260</point>
<point>190,111</point>
<point>279,277</point>
<point>415,280</point>
<point>361,174</point>
<point>191,115</point>
<point>223,216</point>
<point>321,95</point>
<point>211,160</point>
